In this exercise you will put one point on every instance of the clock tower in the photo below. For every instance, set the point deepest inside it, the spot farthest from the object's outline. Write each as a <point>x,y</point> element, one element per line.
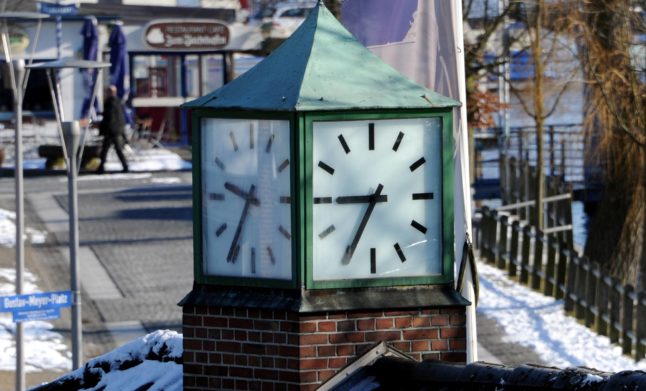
<point>323,218</point>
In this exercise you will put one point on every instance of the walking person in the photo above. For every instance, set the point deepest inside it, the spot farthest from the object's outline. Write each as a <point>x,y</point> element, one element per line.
<point>112,128</point>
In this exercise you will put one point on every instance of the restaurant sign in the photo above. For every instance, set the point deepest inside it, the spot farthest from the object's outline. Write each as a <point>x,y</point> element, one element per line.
<point>176,34</point>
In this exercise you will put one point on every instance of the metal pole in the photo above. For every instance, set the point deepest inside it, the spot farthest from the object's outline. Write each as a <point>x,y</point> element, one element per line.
<point>71,135</point>
<point>18,68</point>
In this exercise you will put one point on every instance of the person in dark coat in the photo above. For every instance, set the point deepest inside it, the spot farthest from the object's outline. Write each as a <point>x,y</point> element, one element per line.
<point>112,128</point>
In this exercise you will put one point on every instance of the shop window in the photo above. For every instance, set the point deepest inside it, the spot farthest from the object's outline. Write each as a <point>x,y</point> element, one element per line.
<point>157,76</point>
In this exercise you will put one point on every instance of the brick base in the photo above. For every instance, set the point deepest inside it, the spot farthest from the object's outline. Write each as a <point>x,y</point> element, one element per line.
<point>252,349</point>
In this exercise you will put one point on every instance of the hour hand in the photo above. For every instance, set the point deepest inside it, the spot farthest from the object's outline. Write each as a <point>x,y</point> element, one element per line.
<point>241,193</point>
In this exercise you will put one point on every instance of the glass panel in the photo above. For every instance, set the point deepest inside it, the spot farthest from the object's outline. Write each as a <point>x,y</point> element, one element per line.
<point>246,198</point>
<point>377,188</point>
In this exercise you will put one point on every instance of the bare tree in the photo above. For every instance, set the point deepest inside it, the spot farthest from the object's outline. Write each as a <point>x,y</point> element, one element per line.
<point>615,114</point>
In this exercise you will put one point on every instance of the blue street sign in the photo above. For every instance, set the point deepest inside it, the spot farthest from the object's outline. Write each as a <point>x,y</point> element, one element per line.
<point>57,9</point>
<point>35,306</point>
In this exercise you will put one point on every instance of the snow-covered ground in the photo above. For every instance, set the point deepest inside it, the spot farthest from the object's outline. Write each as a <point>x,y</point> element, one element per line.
<point>539,322</point>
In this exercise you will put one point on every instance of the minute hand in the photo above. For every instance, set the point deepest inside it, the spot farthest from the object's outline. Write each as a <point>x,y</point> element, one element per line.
<point>364,221</point>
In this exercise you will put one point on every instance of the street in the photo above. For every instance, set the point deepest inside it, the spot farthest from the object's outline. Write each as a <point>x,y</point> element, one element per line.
<point>135,253</point>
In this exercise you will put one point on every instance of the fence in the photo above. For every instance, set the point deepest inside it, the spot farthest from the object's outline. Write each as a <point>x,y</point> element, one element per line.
<point>563,146</point>
<point>548,264</point>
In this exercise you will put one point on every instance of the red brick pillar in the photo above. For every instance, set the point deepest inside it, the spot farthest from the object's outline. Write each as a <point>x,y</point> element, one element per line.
<point>258,349</point>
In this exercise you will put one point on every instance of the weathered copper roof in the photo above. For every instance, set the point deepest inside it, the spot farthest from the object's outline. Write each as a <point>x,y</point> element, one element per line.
<point>321,67</point>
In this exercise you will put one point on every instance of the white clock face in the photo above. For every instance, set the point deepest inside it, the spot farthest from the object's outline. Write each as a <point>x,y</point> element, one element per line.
<point>246,203</point>
<point>377,188</point>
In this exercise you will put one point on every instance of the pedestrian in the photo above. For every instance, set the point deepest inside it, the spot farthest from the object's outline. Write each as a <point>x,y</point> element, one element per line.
<point>112,128</point>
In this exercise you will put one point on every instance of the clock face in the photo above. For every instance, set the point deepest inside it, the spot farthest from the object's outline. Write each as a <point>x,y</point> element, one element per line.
<point>246,198</point>
<point>377,195</point>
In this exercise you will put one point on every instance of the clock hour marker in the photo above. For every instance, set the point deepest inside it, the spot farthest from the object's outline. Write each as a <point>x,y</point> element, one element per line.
<point>400,136</point>
<point>418,163</point>
<point>327,231</point>
<point>269,142</point>
<point>221,229</point>
<point>371,136</point>
<point>250,136</point>
<point>253,260</point>
<point>400,253</point>
<point>344,144</point>
<point>322,200</point>
<point>422,196</point>
<point>327,168</point>
<point>219,163</point>
<point>233,141</point>
<point>284,232</point>
<point>373,260</point>
<point>285,199</point>
<point>418,226</point>
<point>283,165</point>
<point>271,255</point>
<point>216,196</point>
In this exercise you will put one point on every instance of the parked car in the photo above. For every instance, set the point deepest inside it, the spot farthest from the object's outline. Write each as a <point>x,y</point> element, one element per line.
<point>280,20</point>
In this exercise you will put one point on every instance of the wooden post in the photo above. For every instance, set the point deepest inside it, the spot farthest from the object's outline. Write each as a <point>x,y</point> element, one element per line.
<point>524,259</point>
<point>537,266</point>
<point>513,252</point>
<point>501,253</point>
<point>503,167</point>
<point>550,272</point>
<point>590,284</point>
<point>485,232</point>
<point>563,159</point>
<point>641,326</point>
<point>561,272</point>
<point>627,320</point>
<point>601,303</point>
<point>579,290</point>
<point>615,308</point>
<point>550,132</point>
<point>570,285</point>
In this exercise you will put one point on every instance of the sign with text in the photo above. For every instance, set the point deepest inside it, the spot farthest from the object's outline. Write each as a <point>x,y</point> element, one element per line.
<point>197,35</point>
<point>36,306</point>
<point>58,9</point>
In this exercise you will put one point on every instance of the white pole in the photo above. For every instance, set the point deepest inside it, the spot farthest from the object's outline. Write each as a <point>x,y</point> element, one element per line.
<point>19,67</point>
<point>71,135</point>
<point>468,290</point>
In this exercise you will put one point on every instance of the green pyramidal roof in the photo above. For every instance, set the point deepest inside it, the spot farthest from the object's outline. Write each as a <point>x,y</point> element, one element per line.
<point>321,67</point>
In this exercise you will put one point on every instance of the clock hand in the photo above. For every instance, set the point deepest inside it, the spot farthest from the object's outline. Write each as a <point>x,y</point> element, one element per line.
<point>241,193</point>
<point>233,250</point>
<point>362,199</point>
<point>364,221</point>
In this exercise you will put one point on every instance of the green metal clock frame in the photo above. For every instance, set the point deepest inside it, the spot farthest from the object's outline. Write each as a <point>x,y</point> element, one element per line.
<point>301,139</point>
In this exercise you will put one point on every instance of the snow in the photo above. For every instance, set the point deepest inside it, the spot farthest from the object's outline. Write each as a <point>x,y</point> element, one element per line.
<point>152,362</point>
<point>530,319</point>
<point>8,231</point>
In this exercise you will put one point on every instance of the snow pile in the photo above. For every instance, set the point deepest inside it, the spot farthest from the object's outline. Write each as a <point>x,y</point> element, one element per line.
<point>8,231</point>
<point>539,322</point>
<point>152,362</point>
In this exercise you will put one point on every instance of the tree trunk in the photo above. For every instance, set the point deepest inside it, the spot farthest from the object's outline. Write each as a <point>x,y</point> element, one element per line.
<point>615,107</point>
